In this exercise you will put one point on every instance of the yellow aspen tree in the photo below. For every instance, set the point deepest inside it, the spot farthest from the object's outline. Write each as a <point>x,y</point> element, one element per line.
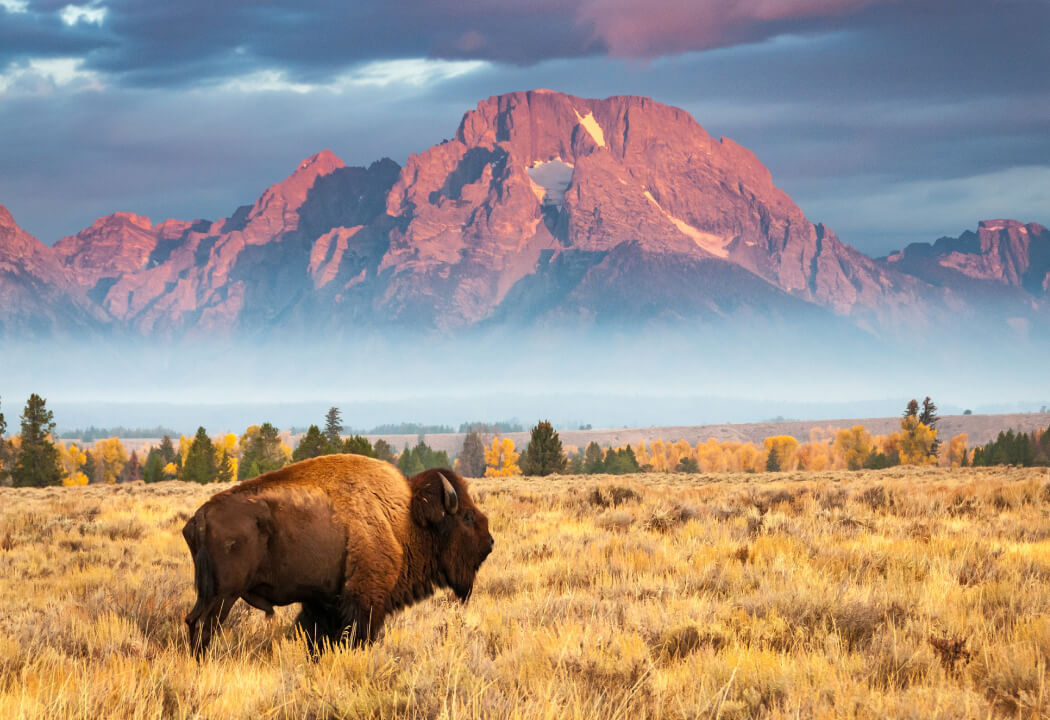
<point>641,454</point>
<point>71,459</point>
<point>958,447</point>
<point>679,450</point>
<point>749,457</point>
<point>916,442</point>
<point>111,456</point>
<point>710,457</point>
<point>228,444</point>
<point>184,447</point>
<point>500,459</point>
<point>786,448</point>
<point>852,447</point>
<point>658,455</point>
<point>814,456</point>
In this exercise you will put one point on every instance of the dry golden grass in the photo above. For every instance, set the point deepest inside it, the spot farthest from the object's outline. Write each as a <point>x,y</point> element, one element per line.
<point>901,593</point>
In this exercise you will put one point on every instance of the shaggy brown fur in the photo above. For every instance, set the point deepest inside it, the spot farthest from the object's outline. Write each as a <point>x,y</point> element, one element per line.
<point>345,535</point>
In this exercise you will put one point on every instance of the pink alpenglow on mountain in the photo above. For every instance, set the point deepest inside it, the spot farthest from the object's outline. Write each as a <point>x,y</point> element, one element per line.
<point>543,209</point>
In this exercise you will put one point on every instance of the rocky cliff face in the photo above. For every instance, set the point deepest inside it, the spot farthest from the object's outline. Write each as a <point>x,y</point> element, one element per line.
<point>1002,252</point>
<point>37,294</point>
<point>543,208</point>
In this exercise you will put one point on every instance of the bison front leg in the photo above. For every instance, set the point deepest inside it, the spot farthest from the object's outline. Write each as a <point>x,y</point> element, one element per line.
<point>320,622</point>
<point>362,618</point>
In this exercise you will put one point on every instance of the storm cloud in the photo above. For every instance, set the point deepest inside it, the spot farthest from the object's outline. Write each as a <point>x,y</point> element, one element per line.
<point>892,121</point>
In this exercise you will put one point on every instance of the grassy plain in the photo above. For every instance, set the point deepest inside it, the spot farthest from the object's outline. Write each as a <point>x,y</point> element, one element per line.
<point>918,593</point>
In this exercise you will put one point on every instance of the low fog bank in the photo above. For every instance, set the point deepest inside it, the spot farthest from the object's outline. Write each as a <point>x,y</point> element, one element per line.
<point>669,376</point>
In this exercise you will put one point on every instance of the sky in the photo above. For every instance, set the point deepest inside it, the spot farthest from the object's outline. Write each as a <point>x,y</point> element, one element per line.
<point>892,121</point>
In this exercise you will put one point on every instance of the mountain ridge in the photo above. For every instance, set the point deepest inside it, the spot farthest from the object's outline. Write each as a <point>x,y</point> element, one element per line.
<point>543,208</point>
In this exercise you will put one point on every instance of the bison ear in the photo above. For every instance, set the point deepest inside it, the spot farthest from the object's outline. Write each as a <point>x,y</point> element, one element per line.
<point>429,501</point>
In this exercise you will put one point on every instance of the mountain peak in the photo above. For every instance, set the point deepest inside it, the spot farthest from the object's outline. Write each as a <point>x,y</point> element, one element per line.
<point>320,163</point>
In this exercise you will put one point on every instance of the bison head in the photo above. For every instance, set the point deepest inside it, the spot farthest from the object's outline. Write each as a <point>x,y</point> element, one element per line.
<point>462,541</point>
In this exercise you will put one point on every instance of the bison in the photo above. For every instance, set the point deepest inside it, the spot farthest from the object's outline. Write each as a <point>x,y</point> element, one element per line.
<point>345,535</point>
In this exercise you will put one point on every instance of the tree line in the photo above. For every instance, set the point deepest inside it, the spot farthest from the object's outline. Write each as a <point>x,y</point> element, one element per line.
<point>34,457</point>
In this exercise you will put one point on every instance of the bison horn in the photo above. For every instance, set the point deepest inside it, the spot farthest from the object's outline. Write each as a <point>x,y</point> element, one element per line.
<point>451,498</point>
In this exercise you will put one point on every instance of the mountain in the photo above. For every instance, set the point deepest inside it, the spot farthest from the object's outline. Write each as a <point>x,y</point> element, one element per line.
<point>544,209</point>
<point>1002,254</point>
<point>37,294</point>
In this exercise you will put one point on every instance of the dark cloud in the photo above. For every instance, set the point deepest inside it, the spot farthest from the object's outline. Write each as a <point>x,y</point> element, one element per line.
<point>146,43</point>
<point>886,119</point>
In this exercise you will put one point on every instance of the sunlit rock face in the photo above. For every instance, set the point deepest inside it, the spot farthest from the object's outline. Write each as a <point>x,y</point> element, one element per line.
<point>543,208</point>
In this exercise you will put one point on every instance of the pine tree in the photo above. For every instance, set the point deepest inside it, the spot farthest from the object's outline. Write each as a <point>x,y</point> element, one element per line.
<point>913,408</point>
<point>312,444</point>
<point>333,429</point>
<point>89,468</point>
<point>383,451</point>
<point>358,445</point>
<point>687,464</point>
<point>593,462</point>
<point>471,462</point>
<point>154,469</point>
<point>772,461</point>
<point>409,463</point>
<point>224,469</point>
<point>167,450</point>
<point>200,465</point>
<point>543,455</point>
<point>928,417</point>
<point>133,470</point>
<point>37,464</point>
<point>262,451</point>
<point>574,466</point>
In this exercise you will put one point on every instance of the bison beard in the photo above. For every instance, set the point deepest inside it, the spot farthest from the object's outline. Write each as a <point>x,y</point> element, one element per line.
<point>346,536</point>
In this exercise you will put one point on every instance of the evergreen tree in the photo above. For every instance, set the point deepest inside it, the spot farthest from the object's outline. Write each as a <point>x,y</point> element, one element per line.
<point>593,462</point>
<point>964,461</point>
<point>928,417</point>
<point>575,464</point>
<point>772,461</point>
<point>167,450</point>
<point>224,469</point>
<point>409,463</point>
<point>358,445</point>
<point>3,425</point>
<point>200,465</point>
<point>383,451</point>
<point>687,464</point>
<point>133,470</point>
<point>262,451</point>
<point>37,464</point>
<point>89,468</point>
<point>913,408</point>
<point>333,428</point>
<point>312,444</point>
<point>472,457</point>
<point>154,469</point>
<point>543,455</point>
<point>620,462</point>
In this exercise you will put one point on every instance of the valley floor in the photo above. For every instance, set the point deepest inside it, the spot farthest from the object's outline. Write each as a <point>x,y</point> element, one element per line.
<point>900,593</point>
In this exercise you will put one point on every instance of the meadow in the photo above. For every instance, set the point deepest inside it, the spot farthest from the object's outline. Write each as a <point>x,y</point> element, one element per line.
<point>908,592</point>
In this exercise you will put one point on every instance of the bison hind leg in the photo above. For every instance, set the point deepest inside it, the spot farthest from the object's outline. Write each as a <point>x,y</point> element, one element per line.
<point>320,622</point>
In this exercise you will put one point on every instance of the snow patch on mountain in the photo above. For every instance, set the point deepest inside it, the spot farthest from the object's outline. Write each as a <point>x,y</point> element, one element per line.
<point>714,244</point>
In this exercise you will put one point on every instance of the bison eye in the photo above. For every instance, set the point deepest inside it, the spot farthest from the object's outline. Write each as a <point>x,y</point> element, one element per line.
<point>468,517</point>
